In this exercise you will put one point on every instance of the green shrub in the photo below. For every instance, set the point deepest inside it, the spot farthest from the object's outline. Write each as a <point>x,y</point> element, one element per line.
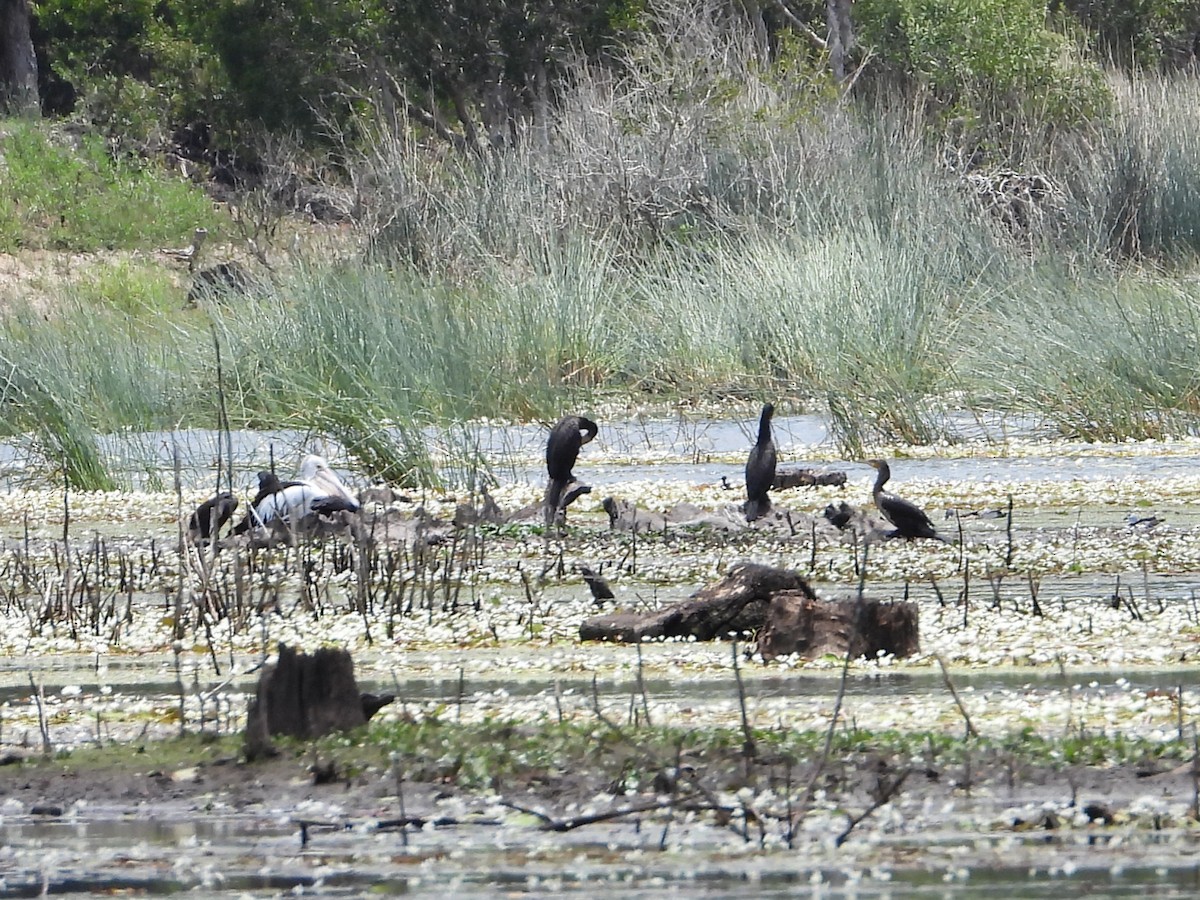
<point>77,196</point>
<point>986,64</point>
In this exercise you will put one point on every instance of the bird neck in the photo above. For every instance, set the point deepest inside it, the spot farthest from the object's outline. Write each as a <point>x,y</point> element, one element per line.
<point>880,480</point>
<point>764,429</point>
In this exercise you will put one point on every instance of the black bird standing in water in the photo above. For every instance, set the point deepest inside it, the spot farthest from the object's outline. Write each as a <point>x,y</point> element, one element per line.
<point>596,584</point>
<point>760,469</point>
<point>908,518</point>
<point>562,449</point>
<point>210,517</point>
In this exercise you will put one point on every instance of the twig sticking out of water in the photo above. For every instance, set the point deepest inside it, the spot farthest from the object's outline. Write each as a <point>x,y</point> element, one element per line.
<point>1035,583</point>
<point>398,775</point>
<point>1179,710</point>
<point>971,732</point>
<point>748,748</point>
<point>641,685</point>
<point>966,592</point>
<point>1195,810</point>
<point>43,725</point>
<point>1008,523</point>
<point>885,789</point>
<point>810,790</point>
<point>550,823</point>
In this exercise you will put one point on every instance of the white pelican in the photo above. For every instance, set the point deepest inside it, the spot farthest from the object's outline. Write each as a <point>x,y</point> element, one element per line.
<point>290,502</point>
<point>315,470</point>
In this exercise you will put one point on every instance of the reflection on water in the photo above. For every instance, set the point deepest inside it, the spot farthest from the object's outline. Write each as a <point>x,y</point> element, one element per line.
<point>244,856</point>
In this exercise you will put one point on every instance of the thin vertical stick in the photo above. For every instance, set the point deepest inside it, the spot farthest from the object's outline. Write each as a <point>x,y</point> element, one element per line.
<point>398,774</point>
<point>1008,554</point>
<point>47,747</point>
<point>748,748</point>
<point>641,683</point>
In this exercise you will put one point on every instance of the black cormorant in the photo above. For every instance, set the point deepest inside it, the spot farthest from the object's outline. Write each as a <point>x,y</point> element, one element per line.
<point>909,519</point>
<point>562,449</point>
<point>760,469</point>
<point>596,584</point>
<point>210,517</point>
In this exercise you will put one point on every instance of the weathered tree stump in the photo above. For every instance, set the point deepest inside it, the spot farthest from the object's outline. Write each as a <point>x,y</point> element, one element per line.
<point>736,604</point>
<point>306,697</point>
<point>799,623</point>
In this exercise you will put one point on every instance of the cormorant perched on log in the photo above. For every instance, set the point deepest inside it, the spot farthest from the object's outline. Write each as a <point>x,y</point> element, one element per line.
<point>760,469</point>
<point>210,517</point>
<point>908,518</point>
<point>562,449</point>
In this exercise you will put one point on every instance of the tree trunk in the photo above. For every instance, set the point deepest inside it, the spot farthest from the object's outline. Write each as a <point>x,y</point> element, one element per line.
<point>18,65</point>
<point>306,697</point>
<point>841,36</point>
<point>799,623</point>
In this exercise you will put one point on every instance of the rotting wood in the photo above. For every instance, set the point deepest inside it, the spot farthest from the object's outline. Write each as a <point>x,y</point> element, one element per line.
<point>777,605</point>
<point>790,478</point>
<point>735,605</point>
<point>800,623</point>
<point>306,696</point>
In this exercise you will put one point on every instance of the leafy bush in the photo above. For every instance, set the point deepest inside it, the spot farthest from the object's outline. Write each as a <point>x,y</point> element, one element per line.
<point>985,63</point>
<point>81,198</point>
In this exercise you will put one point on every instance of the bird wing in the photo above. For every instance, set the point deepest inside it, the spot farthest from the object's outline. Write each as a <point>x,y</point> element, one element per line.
<point>908,518</point>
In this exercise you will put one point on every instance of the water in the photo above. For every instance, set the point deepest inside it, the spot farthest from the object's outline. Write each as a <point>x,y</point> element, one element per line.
<point>680,448</point>
<point>244,856</point>
<point>158,849</point>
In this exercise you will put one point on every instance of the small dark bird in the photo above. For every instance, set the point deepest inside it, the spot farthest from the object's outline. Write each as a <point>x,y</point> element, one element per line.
<point>839,516</point>
<point>597,585</point>
<point>210,517</point>
<point>760,469</point>
<point>562,449</point>
<point>909,519</point>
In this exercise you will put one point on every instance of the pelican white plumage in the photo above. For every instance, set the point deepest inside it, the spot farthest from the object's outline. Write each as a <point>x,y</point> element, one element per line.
<point>314,470</point>
<point>289,503</point>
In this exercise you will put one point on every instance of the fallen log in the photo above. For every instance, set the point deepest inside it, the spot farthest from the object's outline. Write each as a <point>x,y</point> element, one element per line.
<point>799,623</point>
<point>306,697</point>
<point>736,604</point>
<point>790,478</point>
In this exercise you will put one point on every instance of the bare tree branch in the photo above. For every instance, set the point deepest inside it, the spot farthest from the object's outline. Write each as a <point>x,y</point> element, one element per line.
<point>800,25</point>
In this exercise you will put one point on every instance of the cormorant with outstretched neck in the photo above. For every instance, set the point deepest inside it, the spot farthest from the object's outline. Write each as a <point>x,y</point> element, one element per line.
<point>760,468</point>
<point>562,449</point>
<point>909,519</point>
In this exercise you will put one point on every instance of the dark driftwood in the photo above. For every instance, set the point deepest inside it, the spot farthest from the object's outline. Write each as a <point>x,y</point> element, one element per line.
<point>799,623</point>
<point>736,604</point>
<point>790,478</point>
<point>306,697</point>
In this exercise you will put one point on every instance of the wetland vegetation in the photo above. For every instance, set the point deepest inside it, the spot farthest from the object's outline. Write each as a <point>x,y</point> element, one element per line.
<point>691,224</point>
